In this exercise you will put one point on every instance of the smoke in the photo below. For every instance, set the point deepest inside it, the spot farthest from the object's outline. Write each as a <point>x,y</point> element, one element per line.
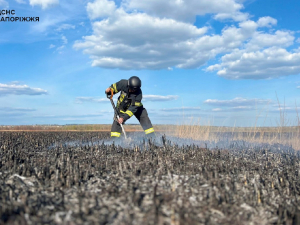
<point>138,141</point>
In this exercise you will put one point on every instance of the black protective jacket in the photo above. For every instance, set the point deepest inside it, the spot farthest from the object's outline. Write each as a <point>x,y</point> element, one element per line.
<point>128,102</point>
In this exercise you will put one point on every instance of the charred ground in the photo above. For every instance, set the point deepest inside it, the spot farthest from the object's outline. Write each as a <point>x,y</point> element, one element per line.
<point>80,177</point>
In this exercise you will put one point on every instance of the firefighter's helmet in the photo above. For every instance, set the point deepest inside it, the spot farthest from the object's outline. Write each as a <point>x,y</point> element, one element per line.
<point>134,83</point>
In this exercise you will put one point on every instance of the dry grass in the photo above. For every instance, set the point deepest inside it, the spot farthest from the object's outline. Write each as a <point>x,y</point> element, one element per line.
<point>282,134</point>
<point>285,132</point>
<point>286,135</point>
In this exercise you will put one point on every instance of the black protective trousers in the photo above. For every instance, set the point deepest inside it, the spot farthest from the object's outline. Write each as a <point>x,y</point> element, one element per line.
<point>142,117</point>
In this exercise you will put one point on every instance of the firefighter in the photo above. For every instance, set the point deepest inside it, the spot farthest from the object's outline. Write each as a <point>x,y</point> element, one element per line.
<point>129,104</point>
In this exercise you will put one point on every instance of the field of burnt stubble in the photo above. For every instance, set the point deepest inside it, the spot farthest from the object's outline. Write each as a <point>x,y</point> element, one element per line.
<point>84,178</point>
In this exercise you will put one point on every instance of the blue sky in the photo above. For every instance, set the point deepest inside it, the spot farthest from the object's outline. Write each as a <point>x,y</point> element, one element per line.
<point>223,63</point>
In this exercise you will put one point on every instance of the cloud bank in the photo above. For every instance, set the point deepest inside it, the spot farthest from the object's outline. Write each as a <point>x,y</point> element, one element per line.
<point>237,102</point>
<point>159,98</point>
<point>43,3</point>
<point>11,109</point>
<point>154,34</point>
<point>187,109</point>
<point>187,10</point>
<point>16,89</point>
<point>80,100</point>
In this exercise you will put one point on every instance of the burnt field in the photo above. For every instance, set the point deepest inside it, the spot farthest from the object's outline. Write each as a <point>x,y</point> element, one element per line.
<point>84,178</point>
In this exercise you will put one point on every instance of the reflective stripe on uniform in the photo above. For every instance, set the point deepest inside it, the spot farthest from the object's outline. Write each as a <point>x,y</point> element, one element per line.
<point>129,113</point>
<point>138,104</point>
<point>120,99</point>
<point>115,88</point>
<point>150,130</point>
<point>115,134</point>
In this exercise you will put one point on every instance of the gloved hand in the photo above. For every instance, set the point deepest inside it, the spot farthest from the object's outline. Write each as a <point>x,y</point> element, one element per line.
<point>108,92</point>
<point>108,95</point>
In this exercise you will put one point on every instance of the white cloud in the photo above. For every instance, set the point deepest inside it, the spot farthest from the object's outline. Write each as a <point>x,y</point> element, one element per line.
<point>243,107</point>
<point>137,40</point>
<point>47,22</point>
<point>65,27</point>
<point>43,3</point>
<point>182,109</point>
<point>269,63</point>
<point>14,89</point>
<point>59,18</point>
<point>298,87</point>
<point>59,49</point>
<point>154,34</point>
<point>51,46</point>
<point>285,109</point>
<point>64,39</point>
<point>263,55</point>
<point>184,10</point>
<point>122,42</point>
<point>237,103</point>
<point>263,40</point>
<point>234,109</point>
<point>11,109</point>
<point>236,16</point>
<point>21,1</point>
<point>80,100</point>
<point>159,98</point>
<point>266,21</point>
<point>100,8</point>
<point>4,4</point>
